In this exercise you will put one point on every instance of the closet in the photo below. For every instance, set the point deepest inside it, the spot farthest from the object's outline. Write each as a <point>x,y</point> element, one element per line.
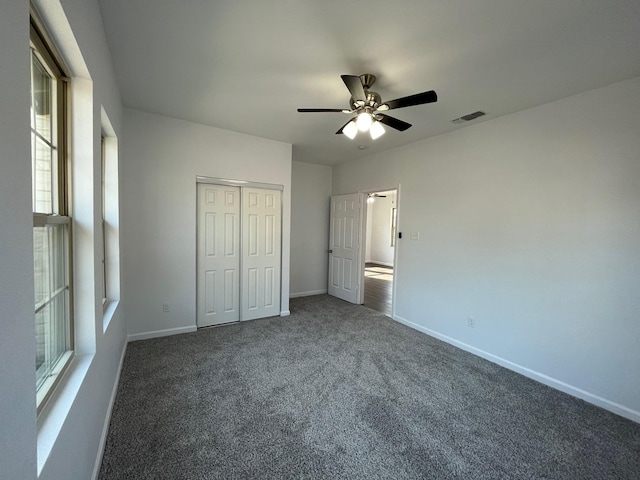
<point>239,239</point>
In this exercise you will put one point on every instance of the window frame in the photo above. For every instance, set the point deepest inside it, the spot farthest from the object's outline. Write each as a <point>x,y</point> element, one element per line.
<point>103,223</point>
<point>43,50</point>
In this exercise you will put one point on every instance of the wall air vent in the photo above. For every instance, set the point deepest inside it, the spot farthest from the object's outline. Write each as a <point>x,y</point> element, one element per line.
<point>468,117</point>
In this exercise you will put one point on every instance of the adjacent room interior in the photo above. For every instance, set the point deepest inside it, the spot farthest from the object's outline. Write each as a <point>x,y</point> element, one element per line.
<point>415,223</point>
<point>380,241</point>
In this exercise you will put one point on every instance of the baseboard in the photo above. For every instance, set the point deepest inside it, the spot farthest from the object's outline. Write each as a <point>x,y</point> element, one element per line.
<point>160,333</point>
<point>307,294</point>
<point>285,313</point>
<point>107,420</point>
<point>532,374</point>
<point>386,264</point>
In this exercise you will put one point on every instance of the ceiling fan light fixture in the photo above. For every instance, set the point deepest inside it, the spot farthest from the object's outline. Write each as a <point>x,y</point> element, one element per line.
<point>376,130</point>
<point>350,129</point>
<point>368,105</point>
<point>364,121</point>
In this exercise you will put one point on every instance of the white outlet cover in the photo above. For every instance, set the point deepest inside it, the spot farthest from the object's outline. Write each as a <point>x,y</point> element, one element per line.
<point>415,235</point>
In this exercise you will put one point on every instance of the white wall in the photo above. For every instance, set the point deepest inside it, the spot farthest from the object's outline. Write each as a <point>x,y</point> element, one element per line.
<point>310,198</point>
<point>531,224</point>
<point>379,239</point>
<point>17,342</point>
<point>65,442</point>
<point>368,233</point>
<point>159,221</point>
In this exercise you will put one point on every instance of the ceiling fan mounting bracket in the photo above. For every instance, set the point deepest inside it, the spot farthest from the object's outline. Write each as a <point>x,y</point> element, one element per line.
<point>367,79</point>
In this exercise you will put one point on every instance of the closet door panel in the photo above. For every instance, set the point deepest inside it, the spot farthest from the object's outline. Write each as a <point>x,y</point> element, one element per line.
<point>261,253</point>
<point>218,254</point>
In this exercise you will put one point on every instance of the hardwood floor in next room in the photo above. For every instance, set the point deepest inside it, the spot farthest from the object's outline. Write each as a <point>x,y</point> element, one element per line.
<point>378,283</point>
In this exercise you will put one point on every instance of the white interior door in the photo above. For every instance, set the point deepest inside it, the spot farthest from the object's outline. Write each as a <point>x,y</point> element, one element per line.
<point>261,252</point>
<point>344,247</point>
<point>218,264</point>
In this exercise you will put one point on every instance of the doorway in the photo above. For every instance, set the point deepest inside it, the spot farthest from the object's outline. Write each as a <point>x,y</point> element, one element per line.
<point>380,242</point>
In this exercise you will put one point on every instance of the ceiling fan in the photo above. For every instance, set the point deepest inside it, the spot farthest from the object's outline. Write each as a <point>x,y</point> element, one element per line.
<point>367,105</point>
<point>371,197</point>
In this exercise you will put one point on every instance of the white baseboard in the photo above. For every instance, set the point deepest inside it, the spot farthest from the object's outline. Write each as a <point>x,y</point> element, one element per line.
<point>160,333</point>
<point>307,294</point>
<point>285,313</point>
<point>386,264</point>
<point>532,374</point>
<point>107,420</point>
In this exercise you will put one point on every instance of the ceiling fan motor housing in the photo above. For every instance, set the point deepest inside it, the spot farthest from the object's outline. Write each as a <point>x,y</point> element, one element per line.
<point>373,99</point>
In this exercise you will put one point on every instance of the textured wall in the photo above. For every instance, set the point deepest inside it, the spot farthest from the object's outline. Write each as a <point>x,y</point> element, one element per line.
<point>529,223</point>
<point>73,423</point>
<point>159,220</point>
<point>17,342</point>
<point>310,194</point>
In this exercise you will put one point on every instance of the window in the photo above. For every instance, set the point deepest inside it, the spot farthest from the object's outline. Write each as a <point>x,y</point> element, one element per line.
<point>394,226</point>
<point>110,251</point>
<point>103,163</point>
<point>51,220</point>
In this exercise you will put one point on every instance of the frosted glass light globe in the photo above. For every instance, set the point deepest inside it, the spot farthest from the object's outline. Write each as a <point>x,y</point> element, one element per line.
<point>376,130</point>
<point>364,121</point>
<point>350,130</point>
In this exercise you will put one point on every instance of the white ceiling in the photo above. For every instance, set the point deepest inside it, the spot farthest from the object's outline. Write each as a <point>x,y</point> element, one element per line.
<point>247,65</point>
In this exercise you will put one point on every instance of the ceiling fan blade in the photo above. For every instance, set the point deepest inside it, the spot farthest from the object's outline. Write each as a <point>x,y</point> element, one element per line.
<point>411,100</point>
<point>354,84</point>
<point>393,122</point>
<point>330,110</point>
<point>339,132</point>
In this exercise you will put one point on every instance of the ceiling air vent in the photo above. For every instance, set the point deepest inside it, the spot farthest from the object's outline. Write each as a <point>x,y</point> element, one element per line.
<point>468,117</point>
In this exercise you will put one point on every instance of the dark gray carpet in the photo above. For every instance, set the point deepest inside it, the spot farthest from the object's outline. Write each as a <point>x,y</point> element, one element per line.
<point>340,391</point>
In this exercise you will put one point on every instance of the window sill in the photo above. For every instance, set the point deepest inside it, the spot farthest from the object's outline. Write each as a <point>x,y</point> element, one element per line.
<point>45,391</point>
<point>54,414</point>
<point>110,307</point>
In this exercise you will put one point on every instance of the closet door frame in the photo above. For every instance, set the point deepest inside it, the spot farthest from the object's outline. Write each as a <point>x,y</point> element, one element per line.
<point>244,183</point>
<point>239,183</point>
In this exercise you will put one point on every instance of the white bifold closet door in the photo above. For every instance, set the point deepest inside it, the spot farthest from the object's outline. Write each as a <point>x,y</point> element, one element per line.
<point>238,257</point>
<point>218,254</point>
<point>261,239</point>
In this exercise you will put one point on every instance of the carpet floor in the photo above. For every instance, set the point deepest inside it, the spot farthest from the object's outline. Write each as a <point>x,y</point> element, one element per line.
<point>340,391</point>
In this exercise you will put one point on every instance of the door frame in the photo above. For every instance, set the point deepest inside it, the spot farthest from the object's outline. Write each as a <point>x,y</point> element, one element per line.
<point>239,183</point>
<point>364,192</point>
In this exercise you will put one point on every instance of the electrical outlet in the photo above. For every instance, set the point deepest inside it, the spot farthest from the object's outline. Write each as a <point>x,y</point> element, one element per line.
<point>471,322</point>
<point>415,235</point>
<point>165,307</point>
